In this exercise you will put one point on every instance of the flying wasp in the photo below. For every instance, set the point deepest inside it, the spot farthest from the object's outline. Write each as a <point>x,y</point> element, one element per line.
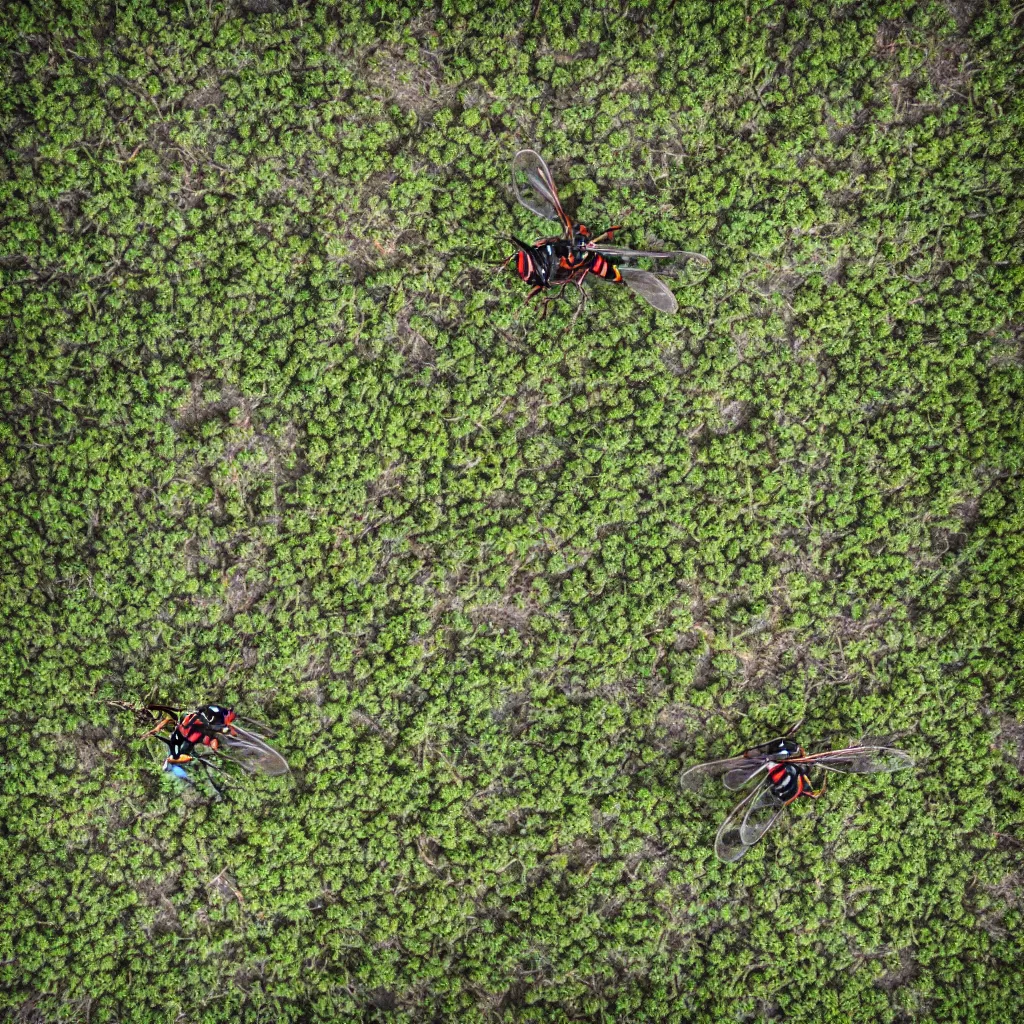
<point>781,770</point>
<point>219,729</point>
<point>576,255</point>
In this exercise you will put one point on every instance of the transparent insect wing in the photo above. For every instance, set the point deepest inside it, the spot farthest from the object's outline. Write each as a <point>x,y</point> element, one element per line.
<point>762,813</point>
<point>695,776</point>
<point>651,288</point>
<point>861,760</point>
<point>729,844</point>
<point>676,258</point>
<point>534,186</point>
<point>253,755</point>
<point>264,729</point>
<point>740,777</point>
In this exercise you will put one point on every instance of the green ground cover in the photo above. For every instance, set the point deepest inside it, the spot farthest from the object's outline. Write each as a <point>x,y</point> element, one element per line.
<point>274,434</point>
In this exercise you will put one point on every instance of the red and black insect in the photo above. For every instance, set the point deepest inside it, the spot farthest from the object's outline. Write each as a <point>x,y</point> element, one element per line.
<point>218,729</point>
<point>576,255</point>
<point>783,768</point>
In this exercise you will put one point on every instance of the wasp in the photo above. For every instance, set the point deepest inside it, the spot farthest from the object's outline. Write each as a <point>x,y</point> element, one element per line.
<point>218,730</point>
<point>781,769</point>
<point>576,255</point>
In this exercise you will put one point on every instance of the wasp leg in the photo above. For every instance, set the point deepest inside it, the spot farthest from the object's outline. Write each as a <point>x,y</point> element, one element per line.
<point>152,732</point>
<point>606,235</point>
<point>557,296</point>
<point>578,281</point>
<point>815,793</point>
<point>547,303</point>
<point>207,765</point>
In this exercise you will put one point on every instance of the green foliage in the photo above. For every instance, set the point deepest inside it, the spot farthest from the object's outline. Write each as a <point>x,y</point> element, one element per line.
<point>274,434</point>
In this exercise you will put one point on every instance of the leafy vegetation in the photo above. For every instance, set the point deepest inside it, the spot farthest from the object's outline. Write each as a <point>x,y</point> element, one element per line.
<point>275,434</point>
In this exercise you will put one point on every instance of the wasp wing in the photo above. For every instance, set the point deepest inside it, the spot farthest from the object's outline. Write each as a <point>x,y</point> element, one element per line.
<point>651,288</point>
<point>760,816</point>
<point>729,842</point>
<point>623,257</point>
<point>860,760</point>
<point>734,769</point>
<point>265,730</point>
<point>251,754</point>
<point>535,188</point>
<point>740,777</point>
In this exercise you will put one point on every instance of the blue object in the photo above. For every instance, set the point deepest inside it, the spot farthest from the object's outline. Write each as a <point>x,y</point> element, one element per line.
<point>177,770</point>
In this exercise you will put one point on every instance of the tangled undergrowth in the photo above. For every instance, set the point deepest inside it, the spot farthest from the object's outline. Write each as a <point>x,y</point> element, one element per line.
<point>275,433</point>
